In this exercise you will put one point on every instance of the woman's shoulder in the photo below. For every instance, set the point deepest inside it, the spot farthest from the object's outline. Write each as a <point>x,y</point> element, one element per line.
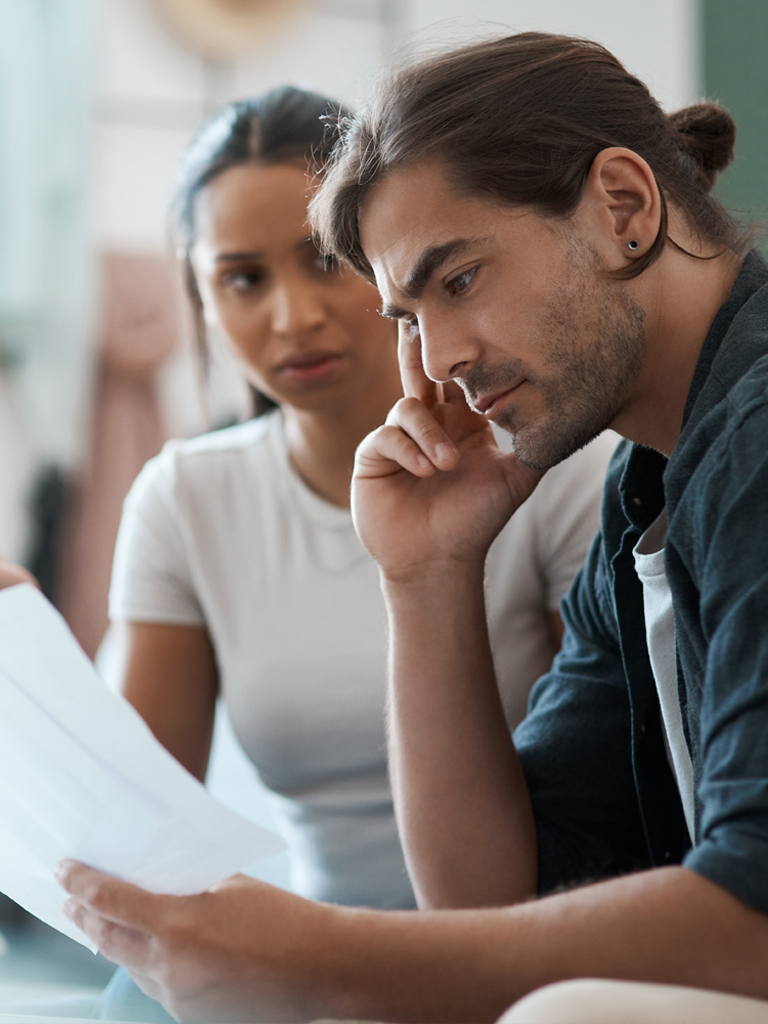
<point>238,441</point>
<point>253,441</point>
<point>227,458</point>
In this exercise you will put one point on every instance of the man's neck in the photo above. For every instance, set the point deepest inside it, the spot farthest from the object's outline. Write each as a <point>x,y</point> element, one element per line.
<point>681,296</point>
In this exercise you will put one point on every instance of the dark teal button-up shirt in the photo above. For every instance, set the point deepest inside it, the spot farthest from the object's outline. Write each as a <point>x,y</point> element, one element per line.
<point>592,746</point>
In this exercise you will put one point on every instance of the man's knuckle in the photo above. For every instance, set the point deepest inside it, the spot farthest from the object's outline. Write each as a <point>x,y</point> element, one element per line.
<point>171,974</point>
<point>103,933</point>
<point>433,433</point>
<point>411,405</point>
<point>173,929</point>
<point>97,896</point>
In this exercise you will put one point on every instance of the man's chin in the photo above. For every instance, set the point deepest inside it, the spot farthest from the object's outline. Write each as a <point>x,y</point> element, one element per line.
<point>544,446</point>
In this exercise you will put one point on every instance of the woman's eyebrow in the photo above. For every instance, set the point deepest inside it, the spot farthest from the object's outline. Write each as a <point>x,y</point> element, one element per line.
<point>229,257</point>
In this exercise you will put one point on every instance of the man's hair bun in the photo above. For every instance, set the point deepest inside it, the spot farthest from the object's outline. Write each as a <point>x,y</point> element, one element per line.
<point>708,134</point>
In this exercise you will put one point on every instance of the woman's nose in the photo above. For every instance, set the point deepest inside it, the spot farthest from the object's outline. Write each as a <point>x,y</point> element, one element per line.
<point>296,308</point>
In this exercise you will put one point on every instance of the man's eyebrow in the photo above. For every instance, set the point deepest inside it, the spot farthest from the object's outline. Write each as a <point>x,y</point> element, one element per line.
<point>393,312</point>
<point>430,260</point>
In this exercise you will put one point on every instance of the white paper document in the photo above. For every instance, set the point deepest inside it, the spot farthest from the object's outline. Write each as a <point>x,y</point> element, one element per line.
<point>82,776</point>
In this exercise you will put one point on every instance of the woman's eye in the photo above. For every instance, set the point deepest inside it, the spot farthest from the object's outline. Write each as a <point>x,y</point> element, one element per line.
<point>461,282</point>
<point>326,261</point>
<point>242,280</point>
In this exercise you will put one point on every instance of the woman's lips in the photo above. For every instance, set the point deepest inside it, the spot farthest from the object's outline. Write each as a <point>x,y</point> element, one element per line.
<point>310,365</point>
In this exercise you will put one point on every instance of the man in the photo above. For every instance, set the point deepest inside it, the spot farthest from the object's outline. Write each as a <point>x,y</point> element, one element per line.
<point>546,236</point>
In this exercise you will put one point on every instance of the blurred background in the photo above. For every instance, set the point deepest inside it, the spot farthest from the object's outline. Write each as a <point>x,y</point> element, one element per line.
<point>98,98</point>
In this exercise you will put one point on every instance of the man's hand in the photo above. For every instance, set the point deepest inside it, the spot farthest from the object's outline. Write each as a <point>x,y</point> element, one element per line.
<point>233,953</point>
<point>11,575</point>
<point>431,487</point>
<point>430,492</point>
<point>245,951</point>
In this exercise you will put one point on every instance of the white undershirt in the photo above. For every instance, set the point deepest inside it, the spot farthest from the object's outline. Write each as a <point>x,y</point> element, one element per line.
<point>660,637</point>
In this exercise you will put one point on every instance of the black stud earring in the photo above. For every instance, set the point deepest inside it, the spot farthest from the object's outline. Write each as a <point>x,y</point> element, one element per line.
<point>633,244</point>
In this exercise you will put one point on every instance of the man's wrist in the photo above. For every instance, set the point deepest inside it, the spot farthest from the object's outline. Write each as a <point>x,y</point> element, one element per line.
<point>435,575</point>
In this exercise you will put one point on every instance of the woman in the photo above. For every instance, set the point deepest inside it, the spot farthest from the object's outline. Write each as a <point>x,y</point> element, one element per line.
<point>238,572</point>
<point>11,575</point>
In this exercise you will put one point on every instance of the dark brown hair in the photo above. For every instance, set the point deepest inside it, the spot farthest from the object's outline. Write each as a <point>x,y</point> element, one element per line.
<point>520,120</point>
<point>283,125</point>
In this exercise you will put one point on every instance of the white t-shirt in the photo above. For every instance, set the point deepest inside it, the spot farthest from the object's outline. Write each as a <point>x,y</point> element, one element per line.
<point>221,532</point>
<point>662,651</point>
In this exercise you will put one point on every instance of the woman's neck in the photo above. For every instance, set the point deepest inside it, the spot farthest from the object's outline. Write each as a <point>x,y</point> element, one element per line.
<point>322,444</point>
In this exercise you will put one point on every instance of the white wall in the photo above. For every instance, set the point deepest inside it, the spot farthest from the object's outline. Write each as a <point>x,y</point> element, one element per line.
<point>152,94</point>
<point>657,40</point>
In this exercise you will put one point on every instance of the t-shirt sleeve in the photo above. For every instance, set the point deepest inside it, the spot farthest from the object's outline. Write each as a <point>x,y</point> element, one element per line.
<point>568,515</point>
<point>151,575</point>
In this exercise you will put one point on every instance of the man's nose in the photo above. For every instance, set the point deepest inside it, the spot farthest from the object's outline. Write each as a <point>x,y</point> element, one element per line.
<point>446,350</point>
<point>296,307</point>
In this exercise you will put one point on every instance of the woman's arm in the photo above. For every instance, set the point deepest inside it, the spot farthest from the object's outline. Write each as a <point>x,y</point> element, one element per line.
<point>169,674</point>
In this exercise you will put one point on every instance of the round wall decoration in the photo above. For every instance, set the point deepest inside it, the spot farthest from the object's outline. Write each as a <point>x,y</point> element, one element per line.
<point>220,29</point>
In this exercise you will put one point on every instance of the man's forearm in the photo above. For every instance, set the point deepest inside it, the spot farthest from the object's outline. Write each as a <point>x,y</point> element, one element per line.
<point>248,951</point>
<point>460,796</point>
<point>668,925</point>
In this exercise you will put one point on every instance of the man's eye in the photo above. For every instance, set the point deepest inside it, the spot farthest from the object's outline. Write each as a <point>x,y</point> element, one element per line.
<point>461,282</point>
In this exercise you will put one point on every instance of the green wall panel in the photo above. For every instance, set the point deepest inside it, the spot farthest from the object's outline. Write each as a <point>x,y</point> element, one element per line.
<point>735,72</point>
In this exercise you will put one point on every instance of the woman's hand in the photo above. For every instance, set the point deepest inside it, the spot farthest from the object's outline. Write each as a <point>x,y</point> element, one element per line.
<point>11,575</point>
<point>240,951</point>
<point>430,487</point>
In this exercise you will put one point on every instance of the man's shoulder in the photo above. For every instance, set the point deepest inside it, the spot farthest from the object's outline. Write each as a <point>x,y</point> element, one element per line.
<point>732,436</point>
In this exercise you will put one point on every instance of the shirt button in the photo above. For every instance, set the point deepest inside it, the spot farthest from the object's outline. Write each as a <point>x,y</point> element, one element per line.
<point>637,501</point>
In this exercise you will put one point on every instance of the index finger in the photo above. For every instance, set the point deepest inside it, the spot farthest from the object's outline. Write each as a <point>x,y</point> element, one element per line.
<point>416,384</point>
<point>110,897</point>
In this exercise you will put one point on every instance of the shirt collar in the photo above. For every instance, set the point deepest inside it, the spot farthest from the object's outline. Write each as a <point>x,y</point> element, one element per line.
<point>752,276</point>
<point>641,487</point>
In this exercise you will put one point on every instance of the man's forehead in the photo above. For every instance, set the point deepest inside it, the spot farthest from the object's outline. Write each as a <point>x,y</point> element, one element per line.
<point>411,219</point>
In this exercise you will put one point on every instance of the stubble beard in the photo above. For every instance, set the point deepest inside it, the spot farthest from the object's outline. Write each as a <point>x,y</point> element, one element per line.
<point>595,338</point>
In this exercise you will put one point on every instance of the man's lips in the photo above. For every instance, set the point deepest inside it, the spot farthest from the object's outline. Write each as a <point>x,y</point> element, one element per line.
<point>309,365</point>
<point>489,405</point>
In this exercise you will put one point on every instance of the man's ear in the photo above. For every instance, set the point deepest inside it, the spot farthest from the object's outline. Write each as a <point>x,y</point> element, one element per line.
<point>620,208</point>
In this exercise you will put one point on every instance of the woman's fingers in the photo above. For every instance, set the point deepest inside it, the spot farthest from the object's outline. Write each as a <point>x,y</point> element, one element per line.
<point>416,384</point>
<point>411,439</point>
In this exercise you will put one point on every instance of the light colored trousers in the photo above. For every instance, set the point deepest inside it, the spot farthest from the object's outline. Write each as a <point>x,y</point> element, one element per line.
<point>591,1001</point>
